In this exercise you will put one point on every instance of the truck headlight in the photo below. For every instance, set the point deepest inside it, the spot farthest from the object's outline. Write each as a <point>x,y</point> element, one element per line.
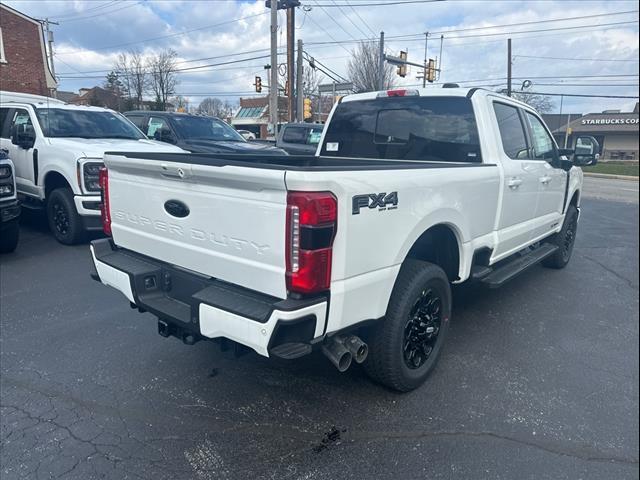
<point>91,176</point>
<point>5,171</point>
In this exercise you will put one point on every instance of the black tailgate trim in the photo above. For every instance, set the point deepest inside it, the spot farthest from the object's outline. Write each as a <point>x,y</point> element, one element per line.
<point>179,292</point>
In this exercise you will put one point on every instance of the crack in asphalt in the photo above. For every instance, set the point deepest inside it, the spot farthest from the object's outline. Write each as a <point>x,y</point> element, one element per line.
<point>612,271</point>
<point>597,456</point>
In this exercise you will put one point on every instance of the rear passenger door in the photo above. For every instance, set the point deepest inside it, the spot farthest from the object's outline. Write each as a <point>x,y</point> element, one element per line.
<point>521,179</point>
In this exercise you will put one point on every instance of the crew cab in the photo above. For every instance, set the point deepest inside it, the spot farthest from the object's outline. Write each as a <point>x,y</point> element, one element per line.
<point>57,151</point>
<point>354,250</point>
<point>197,133</point>
<point>9,206</point>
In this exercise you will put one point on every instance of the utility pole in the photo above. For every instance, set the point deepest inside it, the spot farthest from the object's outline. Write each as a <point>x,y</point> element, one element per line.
<point>273,81</point>
<point>291,29</point>
<point>509,67</point>
<point>299,86</point>
<point>381,63</point>
<point>50,43</point>
<point>426,44</point>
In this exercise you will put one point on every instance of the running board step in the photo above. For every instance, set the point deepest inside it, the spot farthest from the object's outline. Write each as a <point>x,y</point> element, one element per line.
<point>289,351</point>
<point>503,274</point>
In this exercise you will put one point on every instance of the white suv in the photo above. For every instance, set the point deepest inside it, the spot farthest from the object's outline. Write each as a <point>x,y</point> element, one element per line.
<point>57,150</point>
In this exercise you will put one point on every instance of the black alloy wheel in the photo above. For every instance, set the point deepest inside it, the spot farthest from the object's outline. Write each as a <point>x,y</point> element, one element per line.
<point>60,218</point>
<point>422,329</point>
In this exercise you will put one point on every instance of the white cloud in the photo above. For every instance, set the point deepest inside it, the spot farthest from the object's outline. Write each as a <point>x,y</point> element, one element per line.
<point>80,41</point>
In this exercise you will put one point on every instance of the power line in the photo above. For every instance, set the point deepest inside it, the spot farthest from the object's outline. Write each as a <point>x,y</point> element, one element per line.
<point>76,19</point>
<point>335,21</point>
<point>181,70</point>
<point>361,19</point>
<point>328,34</point>
<point>577,59</point>
<point>407,38</point>
<point>75,13</point>
<point>171,35</point>
<point>579,95</point>
<point>346,15</point>
<point>379,4</point>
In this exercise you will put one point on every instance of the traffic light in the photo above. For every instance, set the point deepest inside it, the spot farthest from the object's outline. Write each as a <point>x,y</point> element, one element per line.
<point>258,84</point>
<point>431,70</point>
<point>402,68</point>
<point>306,110</point>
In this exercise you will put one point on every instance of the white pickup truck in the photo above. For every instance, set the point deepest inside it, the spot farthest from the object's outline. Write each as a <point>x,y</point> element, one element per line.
<point>352,250</point>
<point>57,152</point>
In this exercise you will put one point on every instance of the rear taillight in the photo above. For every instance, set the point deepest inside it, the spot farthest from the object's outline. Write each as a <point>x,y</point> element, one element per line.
<point>105,212</point>
<point>311,226</point>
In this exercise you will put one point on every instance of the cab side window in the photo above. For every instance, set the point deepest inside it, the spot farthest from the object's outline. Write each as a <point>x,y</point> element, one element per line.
<point>155,125</point>
<point>543,147</point>
<point>512,131</point>
<point>20,120</point>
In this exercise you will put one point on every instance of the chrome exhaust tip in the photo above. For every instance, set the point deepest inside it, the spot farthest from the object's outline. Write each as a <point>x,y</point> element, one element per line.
<point>338,354</point>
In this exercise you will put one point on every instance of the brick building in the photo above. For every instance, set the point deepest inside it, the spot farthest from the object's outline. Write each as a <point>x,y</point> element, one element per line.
<point>23,58</point>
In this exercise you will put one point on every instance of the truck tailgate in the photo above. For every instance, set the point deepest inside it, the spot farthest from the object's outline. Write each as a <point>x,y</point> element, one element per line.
<point>226,222</point>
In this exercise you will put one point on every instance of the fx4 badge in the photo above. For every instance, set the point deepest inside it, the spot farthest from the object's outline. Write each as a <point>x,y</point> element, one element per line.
<point>381,201</point>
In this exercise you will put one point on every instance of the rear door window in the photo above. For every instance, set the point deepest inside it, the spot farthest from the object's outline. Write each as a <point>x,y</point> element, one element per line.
<point>512,132</point>
<point>155,124</point>
<point>295,135</point>
<point>439,129</point>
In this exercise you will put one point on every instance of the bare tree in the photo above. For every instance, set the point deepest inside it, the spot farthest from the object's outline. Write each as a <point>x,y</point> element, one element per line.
<point>542,103</point>
<point>163,79</point>
<point>134,74</point>
<point>310,81</point>
<point>214,107</point>
<point>363,68</point>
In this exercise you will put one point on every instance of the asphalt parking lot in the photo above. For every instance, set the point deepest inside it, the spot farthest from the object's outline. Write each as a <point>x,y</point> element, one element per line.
<point>538,380</point>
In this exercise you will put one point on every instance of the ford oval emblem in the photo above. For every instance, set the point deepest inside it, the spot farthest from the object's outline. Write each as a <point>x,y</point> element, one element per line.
<point>176,208</point>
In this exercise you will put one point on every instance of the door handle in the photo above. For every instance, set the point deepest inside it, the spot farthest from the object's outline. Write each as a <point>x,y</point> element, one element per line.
<point>514,183</point>
<point>545,180</point>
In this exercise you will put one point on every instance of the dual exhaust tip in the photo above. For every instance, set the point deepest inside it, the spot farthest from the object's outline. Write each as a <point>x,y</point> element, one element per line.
<point>341,350</point>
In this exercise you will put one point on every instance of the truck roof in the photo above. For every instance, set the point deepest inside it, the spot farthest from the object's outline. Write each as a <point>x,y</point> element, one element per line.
<point>56,105</point>
<point>433,92</point>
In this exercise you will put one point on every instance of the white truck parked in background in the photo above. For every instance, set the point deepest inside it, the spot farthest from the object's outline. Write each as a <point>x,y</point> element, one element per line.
<point>9,206</point>
<point>352,250</point>
<point>57,151</point>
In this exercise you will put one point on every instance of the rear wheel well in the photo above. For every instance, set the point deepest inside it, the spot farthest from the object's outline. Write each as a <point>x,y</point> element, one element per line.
<point>438,245</point>
<point>52,181</point>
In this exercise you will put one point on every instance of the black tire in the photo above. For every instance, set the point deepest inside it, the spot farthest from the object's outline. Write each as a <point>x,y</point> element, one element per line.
<point>9,236</point>
<point>64,221</point>
<point>565,240</point>
<point>392,341</point>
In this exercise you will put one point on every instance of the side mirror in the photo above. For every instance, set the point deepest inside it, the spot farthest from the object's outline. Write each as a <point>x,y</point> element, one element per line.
<point>24,136</point>
<point>587,151</point>
<point>164,135</point>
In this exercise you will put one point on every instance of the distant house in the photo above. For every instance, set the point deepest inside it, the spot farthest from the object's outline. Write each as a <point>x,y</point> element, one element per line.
<point>97,97</point>
<point>67,97</point>
<point>253,115</point>
<point>24,67</point>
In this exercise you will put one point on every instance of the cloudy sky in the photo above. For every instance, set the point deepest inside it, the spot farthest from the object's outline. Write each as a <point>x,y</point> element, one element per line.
<point>596,53</point>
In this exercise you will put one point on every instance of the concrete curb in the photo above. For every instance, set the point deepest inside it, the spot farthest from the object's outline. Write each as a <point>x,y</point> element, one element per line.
<point>607,175</point>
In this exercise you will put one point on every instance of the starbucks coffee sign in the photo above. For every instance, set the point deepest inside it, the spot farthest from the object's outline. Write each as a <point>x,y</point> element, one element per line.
<point>610,121</point>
